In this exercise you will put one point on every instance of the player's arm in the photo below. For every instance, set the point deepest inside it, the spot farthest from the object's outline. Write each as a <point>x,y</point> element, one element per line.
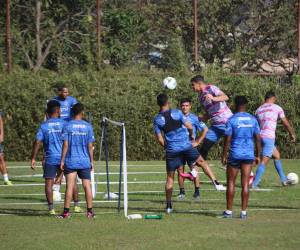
<point>35,150</point>
<point>227,141</point>
<point>220,96</point>
<point>189,127</point>
<point>159,137</point>
<point>63,154</point>
<point>289,128</point>
<point>201,136</point>
<point>257,140</point>
<point>91,153</point>
<point>1,130</point>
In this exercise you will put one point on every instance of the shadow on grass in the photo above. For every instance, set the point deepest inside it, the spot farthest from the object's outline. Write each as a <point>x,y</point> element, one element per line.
<point>23,212</point>
<point>20,198</point>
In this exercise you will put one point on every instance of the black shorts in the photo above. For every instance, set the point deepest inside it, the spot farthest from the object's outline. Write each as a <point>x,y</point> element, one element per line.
<point>175,160</point>
<point>50,171</point>
<point>82,173</point>
<point>238,163</point>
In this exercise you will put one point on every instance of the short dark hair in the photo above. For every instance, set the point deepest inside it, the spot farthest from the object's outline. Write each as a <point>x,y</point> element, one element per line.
<point>52,106</point>
<point>77,109</point>
<point>240,100</point>
<point>197,78</point>
<point>269,95</point>
<point>183,100</point>
<point>61,87</point>
<point>162,100</point>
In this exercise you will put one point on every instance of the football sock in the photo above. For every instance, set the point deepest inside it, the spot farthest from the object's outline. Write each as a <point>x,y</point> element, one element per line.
<point>66,210</point>
<point>50,206</point>
<point>215,182</point>
<point>169,204</point>
<point>90,210</point>
<point>197,190</point>
<point>244,212</point>
<point>76,203</point>
<point>259,173</point>
<point>5,177</point>
<point>181,191</point>
<point>279,169</point>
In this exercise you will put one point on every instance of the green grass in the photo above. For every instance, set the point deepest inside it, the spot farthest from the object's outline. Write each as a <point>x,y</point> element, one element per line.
<point>274,216</point>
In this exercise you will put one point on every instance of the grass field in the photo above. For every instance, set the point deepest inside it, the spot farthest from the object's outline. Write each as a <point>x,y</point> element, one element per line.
<point>273,223</point>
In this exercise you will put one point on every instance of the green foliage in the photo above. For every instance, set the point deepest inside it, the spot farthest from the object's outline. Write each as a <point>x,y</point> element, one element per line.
<point>126,95</point>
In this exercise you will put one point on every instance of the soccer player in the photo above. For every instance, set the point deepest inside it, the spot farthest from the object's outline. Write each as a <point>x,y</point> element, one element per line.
<point>174,132</point>
<point>214,102</point>
<point>242,138</point>
<point>267,115</point>
<point>3,167</point>
<point>199,132</point>
<point>50,135</point>
<point>77,158</point>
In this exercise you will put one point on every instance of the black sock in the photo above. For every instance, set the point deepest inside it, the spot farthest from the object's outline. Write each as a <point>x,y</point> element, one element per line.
<point>66,210</point>
<point>216,182</point>
<point>196,190</point>
<point>90,210</point>
<point>169,204</point>
<point>181,191</point>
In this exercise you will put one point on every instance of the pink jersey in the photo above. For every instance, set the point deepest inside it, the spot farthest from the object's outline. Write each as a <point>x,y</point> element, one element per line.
<point>218,112</point>
<point>267,115</point>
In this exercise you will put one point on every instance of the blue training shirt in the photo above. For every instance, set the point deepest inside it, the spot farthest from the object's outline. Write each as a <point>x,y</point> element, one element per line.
<point>242,127</point>
<point>198,125</point>
<point>176,140</point>
<point>50,133</point>
<point>65,106</point>
<point>79,134</point>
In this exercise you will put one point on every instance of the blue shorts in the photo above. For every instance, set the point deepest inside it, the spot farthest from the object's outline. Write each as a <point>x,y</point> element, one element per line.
<point>215,132</point>
<point>175,160</point>
<point>1,148</point>
<point>235,163</point>
<point>268,146</point>
<point>50,171</point>
<point>84,173</point>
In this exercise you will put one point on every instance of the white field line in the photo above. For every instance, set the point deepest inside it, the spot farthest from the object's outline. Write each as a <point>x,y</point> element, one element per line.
<point>76,214</point>
<point>45,203</point>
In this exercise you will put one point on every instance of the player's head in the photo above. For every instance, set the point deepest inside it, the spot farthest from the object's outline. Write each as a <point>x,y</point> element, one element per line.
<point>185,105</point>
<point>163,100</point>
<point>240,102</point>
<point>53,109</point>
<point>270,96</point>
<point>62,91</point>
<point>77,110</point>
<point>198,83</point>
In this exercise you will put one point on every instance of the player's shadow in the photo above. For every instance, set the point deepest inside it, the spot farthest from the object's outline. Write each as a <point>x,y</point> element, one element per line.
<point>273,207</point>
<point>20,198</point>
<point>23,212</point>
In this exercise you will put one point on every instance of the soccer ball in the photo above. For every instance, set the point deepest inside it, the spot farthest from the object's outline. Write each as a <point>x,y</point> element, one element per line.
<point>170,82</point>
<point>56,196</point>
<point>293,178</point>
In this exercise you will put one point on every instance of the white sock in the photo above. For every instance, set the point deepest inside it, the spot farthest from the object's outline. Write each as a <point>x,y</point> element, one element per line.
<point>5,177</point>
<point>244,212</point>
<point>56,187</point>
<point>228,212</point>
<point>194,173</point>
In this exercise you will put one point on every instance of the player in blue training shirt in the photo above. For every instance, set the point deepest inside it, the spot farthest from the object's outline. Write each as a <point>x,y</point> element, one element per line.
<point>242,140</point>
<point>77,158</point>
<point>199,133</point>
<point>175,133</point>
<point>50,135</point>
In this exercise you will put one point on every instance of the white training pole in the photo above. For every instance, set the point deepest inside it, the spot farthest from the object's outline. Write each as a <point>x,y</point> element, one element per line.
<point>93,184</point>
<point>125,173</point>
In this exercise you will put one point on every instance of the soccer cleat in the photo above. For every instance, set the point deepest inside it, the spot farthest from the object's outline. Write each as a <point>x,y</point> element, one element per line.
<point>64,215</point>
<point>287,183</point>
<point>51,212</point>
<point>243,216</point>
<point>220,187</point>
<point>77,209</point>
<point>225,215</point>
<point>196,196</point>
<point>8,183</point>
<point>181,197</point>
<point>169,210</point>
<point>187,176</point>
<point>90,215</point>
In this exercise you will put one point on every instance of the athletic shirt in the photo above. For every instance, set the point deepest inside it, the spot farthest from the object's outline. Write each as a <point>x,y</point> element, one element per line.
<point>65,106</point>
<point>79,134</point>
<point>218,112</point>
<point>242,127</point>
<point>267,115</point>
<point>198,125</point>
<point>50,133</point>
<point>171,124</point>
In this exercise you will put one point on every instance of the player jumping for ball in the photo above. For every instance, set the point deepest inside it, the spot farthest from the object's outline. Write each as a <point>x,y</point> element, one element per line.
<point>199,132</point>
<point>214,102</point>
<point>241,140</point>
<point>77,158</point>
<point>267,115</point>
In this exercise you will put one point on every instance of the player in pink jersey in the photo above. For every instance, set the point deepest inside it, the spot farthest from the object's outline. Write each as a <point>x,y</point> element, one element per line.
<point>214,102</point>
<point>267,115</point>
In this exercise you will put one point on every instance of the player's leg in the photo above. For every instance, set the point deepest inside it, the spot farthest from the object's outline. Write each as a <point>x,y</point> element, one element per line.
<point>206,146</point>
<point>85,176</point>
<point>181,195</point>
<point>196,194</point>
<point>246,168</point>
<point>169,190</point>
<point>279,169</point>
<point>77,208</point>
<point>3,168</point>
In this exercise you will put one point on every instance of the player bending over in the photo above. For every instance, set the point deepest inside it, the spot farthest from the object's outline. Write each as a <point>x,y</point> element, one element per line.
<point>267,115</point>
<point>242,132</point>
<point>3,167</point>
<point>77,158</point>
<point>200,129</point>
<point>173,131</point>
<point>50,134</point>
<point>214,102</point>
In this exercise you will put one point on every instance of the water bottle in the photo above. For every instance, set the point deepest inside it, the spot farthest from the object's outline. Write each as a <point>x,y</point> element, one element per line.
<point>153,216</point>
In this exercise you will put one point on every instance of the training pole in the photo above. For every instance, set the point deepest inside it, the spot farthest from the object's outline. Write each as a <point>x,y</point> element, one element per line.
<point>125,173</point>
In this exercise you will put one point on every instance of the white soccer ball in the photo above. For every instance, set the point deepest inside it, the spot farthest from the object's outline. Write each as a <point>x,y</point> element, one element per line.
<point>170,82</point>
<point>56,196</point>
<point>293,178</point>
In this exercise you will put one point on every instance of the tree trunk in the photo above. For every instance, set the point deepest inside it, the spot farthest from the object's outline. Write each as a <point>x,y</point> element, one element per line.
<point>8,38</point>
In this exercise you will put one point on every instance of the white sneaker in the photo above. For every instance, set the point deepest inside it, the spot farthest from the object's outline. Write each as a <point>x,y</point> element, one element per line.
<point>181,197</point>
<point>220,187</point>
<point>169,210</point>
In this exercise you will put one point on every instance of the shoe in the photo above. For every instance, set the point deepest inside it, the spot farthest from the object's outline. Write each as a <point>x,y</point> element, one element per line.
<point>8,183</point>
<point>220,187</point>
<point>169,210</point>
<point>187,176</point>
<point>243,216</point>
<point>64,215</point>
<point>90,215</point>
<point>77,209</point>
<point>251,178</point>
<point>287,183</point>
<point>196,196</point>
<point>181,197</point>
<point>226,215</point>
<point>52,212</point>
